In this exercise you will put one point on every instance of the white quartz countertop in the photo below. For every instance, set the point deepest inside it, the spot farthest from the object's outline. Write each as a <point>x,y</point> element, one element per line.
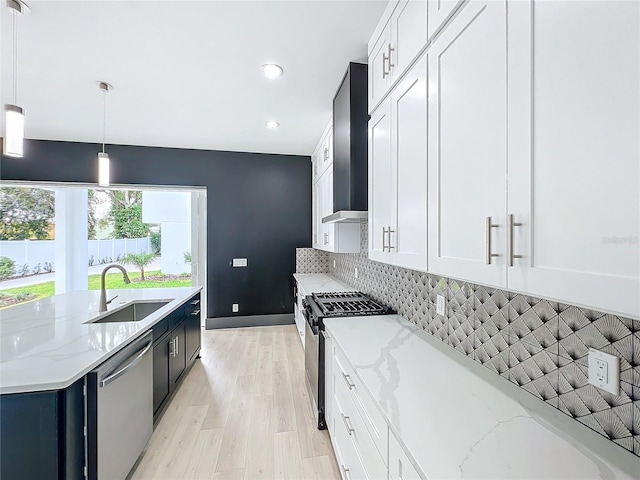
<point>47,344</point>
<point>320,283</point>
<point>460,420</point>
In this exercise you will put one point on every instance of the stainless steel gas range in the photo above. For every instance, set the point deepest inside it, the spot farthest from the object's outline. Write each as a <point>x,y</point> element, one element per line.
<point>317,307</point>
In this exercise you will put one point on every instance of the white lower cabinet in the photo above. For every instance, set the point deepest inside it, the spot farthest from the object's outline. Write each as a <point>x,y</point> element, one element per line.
<point>400,467</point>
<point>358,430</point>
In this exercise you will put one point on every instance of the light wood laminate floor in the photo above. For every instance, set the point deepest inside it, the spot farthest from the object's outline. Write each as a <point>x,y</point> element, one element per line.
<point>242,412</point>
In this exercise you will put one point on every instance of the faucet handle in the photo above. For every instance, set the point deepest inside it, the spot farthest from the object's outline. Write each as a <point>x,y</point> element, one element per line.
<point>111,300</point>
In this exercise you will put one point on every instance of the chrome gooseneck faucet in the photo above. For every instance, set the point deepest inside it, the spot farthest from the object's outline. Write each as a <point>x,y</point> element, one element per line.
<point>103,289</point>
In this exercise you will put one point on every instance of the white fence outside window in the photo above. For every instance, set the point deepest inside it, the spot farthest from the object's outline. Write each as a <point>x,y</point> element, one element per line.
<point>34,252</point>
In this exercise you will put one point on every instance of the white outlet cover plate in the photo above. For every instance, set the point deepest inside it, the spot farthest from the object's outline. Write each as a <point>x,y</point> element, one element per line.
<point>604,371</point>
<point>239,262</point>
<point>234,307</point>
<point>440,304</point>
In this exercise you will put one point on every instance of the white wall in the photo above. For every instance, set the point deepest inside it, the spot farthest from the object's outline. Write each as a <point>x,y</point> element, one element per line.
<point>173,211</point>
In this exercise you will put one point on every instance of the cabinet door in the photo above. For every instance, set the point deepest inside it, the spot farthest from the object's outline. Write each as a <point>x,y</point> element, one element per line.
<point>328,380</point>
<point>179,352</point>
<point>408,239</point>
<point>161,372</point>
<point>467,146</point>
<point>328,230</point>
<point>409,32</point>
<point>193,332</point>
<point>573,183</point>
<point>380,198</point>
<point>378,71</point>
<point>317,216</point>
<point>438,13</point>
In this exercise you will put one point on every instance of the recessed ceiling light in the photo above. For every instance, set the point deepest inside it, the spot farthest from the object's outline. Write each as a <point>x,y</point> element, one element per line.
<point>271,70</point>
<point>272,124</point>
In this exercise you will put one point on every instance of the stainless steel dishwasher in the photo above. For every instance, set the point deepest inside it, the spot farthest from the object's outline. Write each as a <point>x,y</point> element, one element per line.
<point>120,410</point>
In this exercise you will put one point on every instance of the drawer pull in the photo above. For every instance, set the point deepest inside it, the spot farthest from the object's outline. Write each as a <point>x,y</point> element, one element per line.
<point>347,378</point>
<point>196,313</point>
<point>345,419</point>
<point>195,302</point>
<point>345,470</point>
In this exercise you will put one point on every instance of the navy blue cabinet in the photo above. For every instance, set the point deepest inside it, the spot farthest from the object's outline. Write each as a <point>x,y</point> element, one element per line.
<point>42,434</point>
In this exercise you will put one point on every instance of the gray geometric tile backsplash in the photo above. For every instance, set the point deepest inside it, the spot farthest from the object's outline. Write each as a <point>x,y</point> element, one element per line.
<point>539,345</point>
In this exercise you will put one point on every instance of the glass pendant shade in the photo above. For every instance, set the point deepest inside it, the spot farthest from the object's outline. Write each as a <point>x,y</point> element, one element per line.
<point>14,131</point>
<point>103,169</point>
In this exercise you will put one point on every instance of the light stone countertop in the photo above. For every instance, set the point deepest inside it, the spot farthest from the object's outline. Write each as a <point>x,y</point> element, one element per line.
<point>320,283</point>
<point>457,419</point>
<point>47,344</point>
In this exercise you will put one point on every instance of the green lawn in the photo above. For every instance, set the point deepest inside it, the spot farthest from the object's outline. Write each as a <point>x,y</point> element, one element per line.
<point>113,281</point>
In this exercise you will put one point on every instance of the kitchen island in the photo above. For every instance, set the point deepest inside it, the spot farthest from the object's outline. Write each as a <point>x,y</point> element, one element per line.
<point>47,348</point>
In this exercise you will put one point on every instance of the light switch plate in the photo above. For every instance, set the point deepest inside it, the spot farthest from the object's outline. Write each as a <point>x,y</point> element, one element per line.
<point>604,371</point>
<point>239,262</point>
<point>440,304</point>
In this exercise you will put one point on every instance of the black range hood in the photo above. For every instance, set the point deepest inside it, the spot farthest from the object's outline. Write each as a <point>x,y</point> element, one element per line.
<point>350,150</point>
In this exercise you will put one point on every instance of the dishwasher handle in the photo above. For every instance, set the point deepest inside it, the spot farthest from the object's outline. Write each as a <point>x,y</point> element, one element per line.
<point>132,361</point>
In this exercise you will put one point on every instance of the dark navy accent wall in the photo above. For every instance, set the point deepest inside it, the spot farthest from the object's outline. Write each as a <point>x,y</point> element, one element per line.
<point>258,207</point>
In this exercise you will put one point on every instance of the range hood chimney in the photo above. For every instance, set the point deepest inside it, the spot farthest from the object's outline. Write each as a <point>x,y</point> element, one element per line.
<point>350,150</point>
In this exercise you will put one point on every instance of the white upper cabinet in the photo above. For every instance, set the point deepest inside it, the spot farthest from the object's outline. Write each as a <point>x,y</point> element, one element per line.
<point>395,46</point>
<point>380,199</point>
<point>337,238</point>
<point>398,174</point>
<point>574,152</point>
<point>439,12</point>
<point>467,146</point>
<point>323,154</point>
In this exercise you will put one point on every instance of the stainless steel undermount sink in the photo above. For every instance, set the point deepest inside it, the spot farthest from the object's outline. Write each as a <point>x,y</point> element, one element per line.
<point>133,312</point>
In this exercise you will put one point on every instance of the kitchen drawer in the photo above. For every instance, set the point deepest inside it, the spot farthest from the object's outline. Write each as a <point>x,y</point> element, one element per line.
<point>351,420</point>
<point>346,454</point>
<point>193,305</point>
<point>177,316</point>
<point>160,328</point>
<point>372,417</point>
<point>400,467</point>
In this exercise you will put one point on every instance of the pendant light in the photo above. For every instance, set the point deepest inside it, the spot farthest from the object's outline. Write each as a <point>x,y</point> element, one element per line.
<point>103,158</point>
<point>14,114</point>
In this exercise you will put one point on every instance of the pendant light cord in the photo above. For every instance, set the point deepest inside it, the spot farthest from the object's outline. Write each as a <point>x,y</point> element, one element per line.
<point>15,59</point>
<point>104,118</point>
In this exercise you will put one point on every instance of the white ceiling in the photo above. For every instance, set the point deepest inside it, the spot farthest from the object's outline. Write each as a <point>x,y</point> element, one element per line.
<point>185,73</point>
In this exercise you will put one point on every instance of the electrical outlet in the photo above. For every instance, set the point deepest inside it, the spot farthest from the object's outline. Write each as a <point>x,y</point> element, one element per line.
<point>355,273</point>
<point>440,304</point>
<point>604,371</point>
<point>239,262</point>
<point>234,308</point>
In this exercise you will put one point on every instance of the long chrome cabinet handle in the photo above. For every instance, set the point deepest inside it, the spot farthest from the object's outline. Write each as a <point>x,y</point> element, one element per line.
<point>391,65</point>
<point>488,228</point>
<point>385,59</point>
<point>345,419</point>
<point>129,365</point>
<point>389,247</point>
<point>345,470</point>
<point>176,349</point>
<point>512,224</point>
<point>172,347</point>
<point>347,378</point>
<point>384,233</point>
